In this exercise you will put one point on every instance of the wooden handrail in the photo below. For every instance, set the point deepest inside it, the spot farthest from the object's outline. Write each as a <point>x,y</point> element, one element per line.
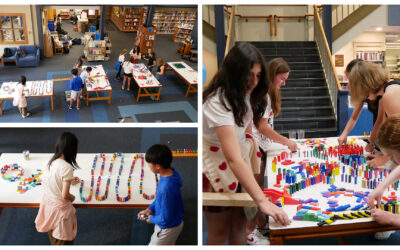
<point>327,48</point>
<point>270,25</point>
<point>228,40</point>
<point>276,24</point>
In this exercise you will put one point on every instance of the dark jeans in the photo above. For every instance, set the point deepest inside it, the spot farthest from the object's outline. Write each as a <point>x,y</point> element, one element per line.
<point>119,72</point>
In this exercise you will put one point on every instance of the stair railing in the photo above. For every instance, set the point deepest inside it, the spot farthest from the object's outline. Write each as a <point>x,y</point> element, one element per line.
<point>229,40</point>
<point>342,11</point>
<point>332,79</point>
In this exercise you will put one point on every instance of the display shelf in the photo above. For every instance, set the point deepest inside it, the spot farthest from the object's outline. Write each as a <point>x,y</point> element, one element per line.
<point>182,31</point>
<point>128,21</point>
<point>95,50</point>
<point>166,21</point>
<point>147,37</point>
<point>64,14</point>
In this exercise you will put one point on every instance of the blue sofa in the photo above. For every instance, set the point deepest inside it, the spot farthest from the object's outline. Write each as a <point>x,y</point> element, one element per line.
<point>12,58</point>
<point>31,58</point>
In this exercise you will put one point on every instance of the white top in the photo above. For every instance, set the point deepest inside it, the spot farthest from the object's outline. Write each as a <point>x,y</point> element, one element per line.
<point>84,75</point>
<point>19,96</point>
<point>186,72</point>
<point>121,58</point>
<point>128,67</point>
<point>54,176</point>
<point>215,115</point>
<point>263,141</point>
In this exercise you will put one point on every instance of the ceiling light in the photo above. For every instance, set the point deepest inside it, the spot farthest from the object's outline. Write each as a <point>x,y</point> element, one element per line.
<point>379,29</point>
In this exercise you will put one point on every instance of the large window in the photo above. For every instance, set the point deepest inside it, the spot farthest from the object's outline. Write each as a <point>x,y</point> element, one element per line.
<point>13,29</point>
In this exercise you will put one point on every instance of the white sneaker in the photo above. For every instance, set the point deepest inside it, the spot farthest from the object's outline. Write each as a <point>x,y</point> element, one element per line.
<point>256,238</point>
<point>383,235</point>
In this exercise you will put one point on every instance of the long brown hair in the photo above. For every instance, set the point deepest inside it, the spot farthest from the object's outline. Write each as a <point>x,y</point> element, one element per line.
<point>274,67</point>
<point>389,133</point>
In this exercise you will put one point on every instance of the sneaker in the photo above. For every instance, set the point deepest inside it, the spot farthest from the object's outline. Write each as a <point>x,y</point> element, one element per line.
<point>383,235</point>
<point>77,108</point>
<point>256,238</point>
<point>81,97</point>
<point>153,98</point>
<point>70,107</point>
<point>28,114</point>
<point>129,89</point>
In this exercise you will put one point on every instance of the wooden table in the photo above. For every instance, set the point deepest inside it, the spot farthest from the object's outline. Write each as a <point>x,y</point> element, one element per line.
<point>9,197</point>
<point>186,73</point>
<point>97,82</point>
<point>34,89</point>
<point>145,80</point>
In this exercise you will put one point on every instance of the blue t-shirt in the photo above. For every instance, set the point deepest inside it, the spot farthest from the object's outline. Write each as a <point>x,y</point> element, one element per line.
<point>75,83</point>
<point>167,208</point>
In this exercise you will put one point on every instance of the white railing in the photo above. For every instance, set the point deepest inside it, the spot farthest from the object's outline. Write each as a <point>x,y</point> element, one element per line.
<point>326,60</point>
<point>340,12</point>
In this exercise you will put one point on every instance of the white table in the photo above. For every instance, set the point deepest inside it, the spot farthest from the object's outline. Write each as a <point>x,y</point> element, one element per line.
<point>308,229</point>
<point>145,80</point>
<point>97,82</point>
<point>186,73</point>
<point>9,197</point>
<point>34,89</point>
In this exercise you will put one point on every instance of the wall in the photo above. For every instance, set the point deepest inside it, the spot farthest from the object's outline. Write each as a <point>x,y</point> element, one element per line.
<point>349,52</point>
<point>26,9</point>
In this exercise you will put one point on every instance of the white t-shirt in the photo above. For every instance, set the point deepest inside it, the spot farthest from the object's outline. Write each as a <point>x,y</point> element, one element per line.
<point>84,75</point>
<point>53,177</point>
<point>128,67</point>
<point>215,115</point>
<point>263,141</point>
<point>121,58</point>
<point>20,99</point>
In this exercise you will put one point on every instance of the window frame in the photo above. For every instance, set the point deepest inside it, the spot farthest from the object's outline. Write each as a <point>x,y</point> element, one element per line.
<point>13,29</point>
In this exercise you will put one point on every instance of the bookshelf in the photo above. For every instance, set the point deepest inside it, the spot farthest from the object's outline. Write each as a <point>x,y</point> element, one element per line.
<point>64,14</point>
<point>182,31</point>
<point>147,37</point>
<point>371,56</point>
<point>95,50</point>
<point>166,20</point>
<point>126,20</point>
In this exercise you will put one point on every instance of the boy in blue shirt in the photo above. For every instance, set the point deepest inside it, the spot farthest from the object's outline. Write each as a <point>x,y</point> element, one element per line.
<point>75,84</point>
<point>166,211</point>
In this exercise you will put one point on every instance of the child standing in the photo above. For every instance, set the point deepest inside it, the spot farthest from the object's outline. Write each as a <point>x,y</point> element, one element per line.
<point>152,62</point>
<point>229,152</point>
<point>121,60</point>
<point>56,213</point>
<point>128,72</point>
<point>79,62</point>
<point>75,85</point>
<point>20,99</point>
<point>135,53</point>
<point>166,211</point>
<point>85,75</point>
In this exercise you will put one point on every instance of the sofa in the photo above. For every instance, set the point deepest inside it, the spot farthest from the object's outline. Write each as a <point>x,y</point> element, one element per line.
<point>31,58</point>
<point>12,58</point>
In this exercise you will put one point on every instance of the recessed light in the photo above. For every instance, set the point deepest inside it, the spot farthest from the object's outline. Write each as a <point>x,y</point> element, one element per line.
<point>379,29</point>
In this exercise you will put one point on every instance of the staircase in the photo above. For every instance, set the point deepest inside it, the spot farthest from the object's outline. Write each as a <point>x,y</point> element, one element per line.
<point>305,99</point>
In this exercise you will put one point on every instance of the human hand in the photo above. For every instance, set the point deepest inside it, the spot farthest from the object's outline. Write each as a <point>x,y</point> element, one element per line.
<point>370,147</point>
<point>75,181</point>
<point>342,140</point>
<point>148,219</point>
<point>275,212</point>
<point>376,195</point>
<point>377,161</point>
<point>292,145</point>
<point>383,217</point>
<point>71,197</point>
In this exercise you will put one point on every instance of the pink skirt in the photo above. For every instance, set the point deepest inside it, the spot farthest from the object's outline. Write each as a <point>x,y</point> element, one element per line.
<point>58,216</point>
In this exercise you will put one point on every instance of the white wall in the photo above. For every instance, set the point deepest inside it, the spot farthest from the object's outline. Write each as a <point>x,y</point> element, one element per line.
<point>26,9</point>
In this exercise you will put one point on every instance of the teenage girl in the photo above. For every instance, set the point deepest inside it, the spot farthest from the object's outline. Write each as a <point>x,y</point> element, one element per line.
<point>20,99</point>
<point>128,72</point>
<point>121,59</point>
<point>229,155</point>
<point>56,213</point>
<point>278,71</point>
<point>389,142</point>
<point>370,81</point>
<point>135,52</point>
<point>79,62</point>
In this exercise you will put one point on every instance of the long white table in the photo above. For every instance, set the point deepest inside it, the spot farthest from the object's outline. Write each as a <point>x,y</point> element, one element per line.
<point>33,89</point>
<point>145,80</point>
<point>186,73</point>
<point>9,197</point>
<point>97,82</point>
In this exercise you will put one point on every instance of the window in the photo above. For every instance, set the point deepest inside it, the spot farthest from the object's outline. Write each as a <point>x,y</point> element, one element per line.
<point>13,29</point>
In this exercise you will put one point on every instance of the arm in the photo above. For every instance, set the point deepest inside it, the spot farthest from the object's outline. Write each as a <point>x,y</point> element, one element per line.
<point>65,191</point>
<point>162,70</point>
<point>231,150</point>
<point>350,124</point>
<point>378,123</point>
<point>377,193</point>
<point>267,131</point>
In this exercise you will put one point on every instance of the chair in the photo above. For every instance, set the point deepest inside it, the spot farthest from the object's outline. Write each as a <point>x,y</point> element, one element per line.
<point>193,53</point>
<point>12,58</point>
<point>31,58</point>
<point>58,50</point>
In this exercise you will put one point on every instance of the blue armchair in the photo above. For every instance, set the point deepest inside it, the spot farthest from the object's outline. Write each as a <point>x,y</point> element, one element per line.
<point>12,58</point>
<point>31,58</point>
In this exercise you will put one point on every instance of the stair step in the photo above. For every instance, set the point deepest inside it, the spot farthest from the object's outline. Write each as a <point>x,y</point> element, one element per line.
<point>315,73</point>
<point>304,65</point>
<point>291,44</point>
<point>300,91</point>
<point>314,133</point>
<point>311,111</point>
<point>295,58</point>
<point>304,123</point>
<point>305,82</point>
<point>288,51</point>
<point>305,101</point>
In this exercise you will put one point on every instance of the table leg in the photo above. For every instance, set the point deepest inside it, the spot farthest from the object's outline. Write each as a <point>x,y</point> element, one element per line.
<point>187,92</point>
<point>109,97</point>
<point>342,240</point>
<point>1,106</point>
<point>138,95</point>
<point>159,93</point>
<point>52,102</point>
<point>87,98</point>
<point>276,240</point>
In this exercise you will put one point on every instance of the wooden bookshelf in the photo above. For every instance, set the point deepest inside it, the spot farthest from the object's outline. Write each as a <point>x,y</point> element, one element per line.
<point>182,31</point>
<point>64,14</point>
<point>166,20</point>
<point>95,50</point>
<point>147,37</point>
<point>128,21</point>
